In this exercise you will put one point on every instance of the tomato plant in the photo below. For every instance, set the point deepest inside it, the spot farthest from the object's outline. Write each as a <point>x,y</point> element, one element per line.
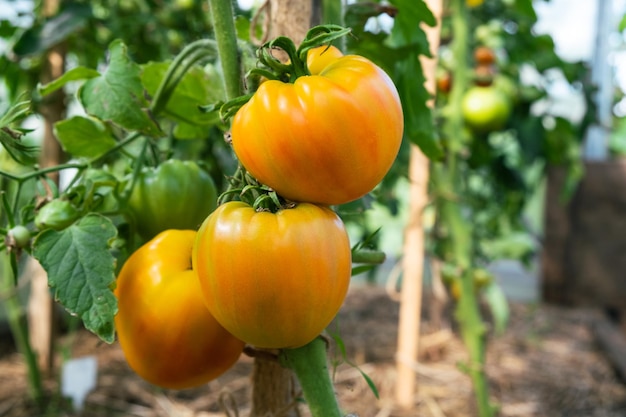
<point>166,332</point>
<point>175,195</point>
<point>328,137</point>
<point>485,108</point>
<point>274,280</point>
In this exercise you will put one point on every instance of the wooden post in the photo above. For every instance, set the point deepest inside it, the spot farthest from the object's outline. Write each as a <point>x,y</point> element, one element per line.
<point>413,261</point>
<point>41,307</point>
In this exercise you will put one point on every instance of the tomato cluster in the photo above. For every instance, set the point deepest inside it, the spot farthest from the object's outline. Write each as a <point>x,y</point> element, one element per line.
<point>486,105</point>
<point>270,277</point>
<point>277,279</point>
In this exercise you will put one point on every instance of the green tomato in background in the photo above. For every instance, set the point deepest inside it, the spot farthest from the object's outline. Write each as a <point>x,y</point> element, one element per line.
<point>485,108</point>
<point>175,195</point>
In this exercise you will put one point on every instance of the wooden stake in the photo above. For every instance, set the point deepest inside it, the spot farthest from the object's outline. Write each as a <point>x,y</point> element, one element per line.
<point>413,261</point>
<point>41,307</point>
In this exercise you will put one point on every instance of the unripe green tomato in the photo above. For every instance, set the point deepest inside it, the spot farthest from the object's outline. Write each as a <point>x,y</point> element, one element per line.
<point>20,235</point>
<point>175,195</point>
<point>56,215</point>
<point>485,108</point>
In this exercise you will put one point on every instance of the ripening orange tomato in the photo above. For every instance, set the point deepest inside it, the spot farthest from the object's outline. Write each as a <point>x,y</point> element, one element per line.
<point>328,138</point>
<point>274,280</point>
<point>167,334</point>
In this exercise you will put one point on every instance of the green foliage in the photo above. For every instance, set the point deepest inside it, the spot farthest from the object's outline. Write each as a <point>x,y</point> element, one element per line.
<point>118,95</point>
<point>11,134</point>
<point>84,136</point>
<point>398,53</point>
<point>75,74</point>
<point>81,270</point>
<point>197,87</point>
<point>501,169</point>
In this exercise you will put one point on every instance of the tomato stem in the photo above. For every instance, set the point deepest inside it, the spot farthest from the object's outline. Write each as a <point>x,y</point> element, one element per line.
<point>467,311</point>
<point>226,38</point>
<point>310,365</point>
<point>188,57</point>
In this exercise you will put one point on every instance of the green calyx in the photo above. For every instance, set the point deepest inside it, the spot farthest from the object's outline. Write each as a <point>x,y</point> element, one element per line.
<point>296,66</point>
<point>273,68</point>
<point>246,188</point>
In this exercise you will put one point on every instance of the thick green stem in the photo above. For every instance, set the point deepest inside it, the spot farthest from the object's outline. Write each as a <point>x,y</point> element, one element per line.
<point>467,311</point>
<point>226,37</point>
<point>188,57</point>
<point>467,314</point>
<point>332,13</point>
<point>19,329</point>
<point>310,365</point>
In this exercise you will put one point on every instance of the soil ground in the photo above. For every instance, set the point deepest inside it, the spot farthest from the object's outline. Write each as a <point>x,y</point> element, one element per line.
<point>547,364</point>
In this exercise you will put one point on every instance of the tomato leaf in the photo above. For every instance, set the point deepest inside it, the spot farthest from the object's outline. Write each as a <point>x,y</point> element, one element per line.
<point>75,74</point>
<point>81,270</point>
<point>418,119</point>
<point>118,95</point>
<point>82,136</point>
<point>406,30</point>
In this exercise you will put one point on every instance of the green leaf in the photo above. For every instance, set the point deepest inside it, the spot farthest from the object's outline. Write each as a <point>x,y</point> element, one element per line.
<point>78,73</point>
<point>186,131</point>
<point>40,37</point>
<point>11,138</point>
<point>118,94</point>
<point>81,270</point>
<point>15,113</point>
<point>499,306</point>
<point>198,87</point>
<point>418,118</point>
<point>406,29</point>
<point>82,136</point>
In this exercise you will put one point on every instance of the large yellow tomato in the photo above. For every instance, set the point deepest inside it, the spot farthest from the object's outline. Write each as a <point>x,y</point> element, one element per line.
<point>328,138</point>
<point>274,280</point>
<point>164,328</point>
